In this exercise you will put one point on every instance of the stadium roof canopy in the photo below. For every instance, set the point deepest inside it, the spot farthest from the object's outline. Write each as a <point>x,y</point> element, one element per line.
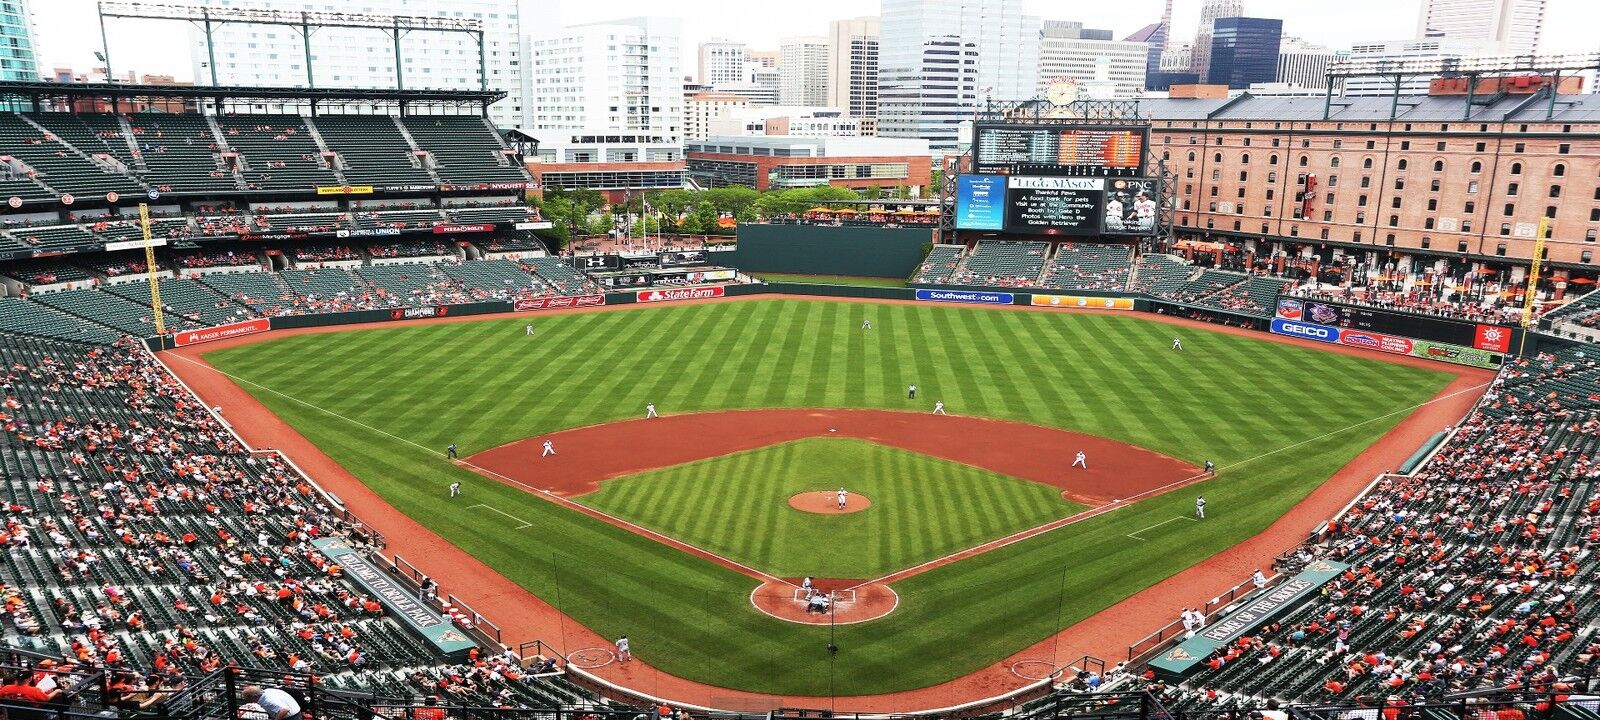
<point>67,94</point>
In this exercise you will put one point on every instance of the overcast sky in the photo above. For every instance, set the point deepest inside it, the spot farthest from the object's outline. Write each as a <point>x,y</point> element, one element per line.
<point>67,36</point>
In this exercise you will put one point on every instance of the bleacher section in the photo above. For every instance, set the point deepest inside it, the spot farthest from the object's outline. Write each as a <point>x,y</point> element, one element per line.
<point>562,277</point>
<point>402,219</point>
<point>1256,296</point>
<point>43,272</point>
<point>505,215</point>
<point>1081,266</point>
<point>180,153</point>
<point>373,150</point>
<point>301,222</point>
<point>57,165</point>
<point>492,276</point>
<point>1003,263</point>
<point>279,152</point>
<point>30,318</point>
<point>1160,274</point>
<point>400,282</point>
<point>59,238</point>
<point>124,316</point>
<point>188,298</point>
<point>464,148</point>
<point>125,230</point>
<point>1209,281</point>
<point>259,291</point>
<point>940,264</point>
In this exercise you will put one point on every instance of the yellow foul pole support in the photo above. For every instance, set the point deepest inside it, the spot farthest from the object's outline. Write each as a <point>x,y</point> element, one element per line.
<point>150,270</point>
<point>1533,280</point>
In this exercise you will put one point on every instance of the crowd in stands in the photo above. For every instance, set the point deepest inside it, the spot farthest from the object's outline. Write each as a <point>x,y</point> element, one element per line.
<point>216,258</point>
<point>1421,301</point>
<point>412,248</point>
<point>325,253</point>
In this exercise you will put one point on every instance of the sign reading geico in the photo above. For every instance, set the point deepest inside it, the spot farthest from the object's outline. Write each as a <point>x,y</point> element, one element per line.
<point>963,296</point>
<point>221,332</point>
<point>1309,331</point>
<point>697,293</point>
<point>1083,301</point>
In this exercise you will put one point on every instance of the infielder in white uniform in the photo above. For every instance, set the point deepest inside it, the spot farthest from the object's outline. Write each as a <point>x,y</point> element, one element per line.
<point>938,408</point>
<point>455,489</point>
<point>843,496</point>
<point>549,449</point>
<point>1200,507</point>
<point>1081,460</point>
<point>650,410</point>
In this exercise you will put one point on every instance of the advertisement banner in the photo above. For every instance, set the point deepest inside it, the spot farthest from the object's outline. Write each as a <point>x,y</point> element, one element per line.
<point>367,232</point>
<point>1274,601</point>
<point>1130,206</point>
<point>133,244</point>
<point>966,296</point>
<point>400,602</point>
<point>699,293</point>
<point>426,311</point>
<point>221,332</point>
<point>445,228</point>
<point>1083,301</point>
<point>535,225</point>
<point>681,258</point>
<point>597,262</point>
<point>1375,341</point>
<point>274,236</point>
<point>345,190</point>
<point>1290,309</point>
<point>486,186</point>
<point>1492,338</point>
<point>981,202</point>
<point>555,303</point>
<point>407,188</point>
<point>1309,331</point>
<point>1458,354</point>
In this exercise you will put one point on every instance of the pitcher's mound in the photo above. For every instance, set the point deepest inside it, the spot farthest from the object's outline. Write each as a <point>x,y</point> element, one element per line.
<point>826,502</point>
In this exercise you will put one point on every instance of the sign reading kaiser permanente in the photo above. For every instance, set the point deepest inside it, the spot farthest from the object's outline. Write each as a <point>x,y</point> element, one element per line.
<point>221,332</point>
<point>671,294</point>
<point>966,296</point>
<point>399,601</point>
<point>1055,205</point>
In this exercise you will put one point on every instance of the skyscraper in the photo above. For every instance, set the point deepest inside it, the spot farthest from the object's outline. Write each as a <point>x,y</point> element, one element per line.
<point>721,62</point>
<point>1243,51</point>
<point>18,57</point>
<point>1303,64</point>
<point>270,55</point>
<point>1070,51</point>
<point>803,71</point>
<point>618,75</point>
<point>1210,12</point>
<point>939,58</point>
<point>1505,27</point>
<point>1155,37</point>
<point>853,68</point>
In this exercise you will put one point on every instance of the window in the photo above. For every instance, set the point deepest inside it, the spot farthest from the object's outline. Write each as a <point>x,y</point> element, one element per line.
<point>1426,242</point>
<point>1469,208</point>
<point>1266,227</point>
<point>1361,218</point>
<point>1394,203</point>
<point>1245,158</point>
<point>1213,191</point>
<point>1366,181</point>
<point>1361,201</point>
<point>1555,191</point>
<point>1212,207</point>
<point>1586,256</point>
<point>1272,177</point>
<point>1563,148</point>
<point>1217,157</point>
<point>1366,163</point>
<point>1324,233</point>
<point>1389,239</point>
<point>1400,165</point>
<point>1333,161</point>
<point>1216,174</point>
<point>1327,216</point>
<point>1354,237</point>
<point>1399,183</point>
<point>1330,198</point>
<point>1521,148</point>
<point>1472,187</point>
<point>1294,231</point>
<point>1589,235</point>
<point>1394,221</point>
<point>1372,143</point>
<point>1505,228</point>
<point>1438,166</point>
<point>1550,211</point>
<point>1427,224</point>
<point>1482,147</point>
<point>1499,249</point>
<point>1269,194</point>
<point>1512,189</point>
<point>1273,158</point>
<point>1191,156</point>
<point>1434,185</point>
<point>1303,161</point>
<point>1461,246</point>
<point>1440,146</point>
<point>1477,167</point>
<point>1236,224</point>
<point>1510,209</point>
<point>1433,204</point>
<point>1559,170</point>
<point>1241,193</point>
<point>1244,175</point>
<point>1594,215</point>
<point>1516,167</point>
<point>1405,144</point>
<point>1466,226</point>
<point>1333,181</point>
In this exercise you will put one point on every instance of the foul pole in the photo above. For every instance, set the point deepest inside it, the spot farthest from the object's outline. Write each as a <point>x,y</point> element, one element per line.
<point>150,272</point>
<point>1533,281</point>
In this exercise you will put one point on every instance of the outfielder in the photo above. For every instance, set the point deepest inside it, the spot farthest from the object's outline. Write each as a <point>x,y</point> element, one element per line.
<point>549,449</point>
<point>938,408</point>
<point>527,329</point>
<point>866,324</point>
<point>843,496</point>
<point>455,488</point>
<point>650,410</point>
<point>1177,343</point>
<point>911,391</point>
<point>1081,460</point>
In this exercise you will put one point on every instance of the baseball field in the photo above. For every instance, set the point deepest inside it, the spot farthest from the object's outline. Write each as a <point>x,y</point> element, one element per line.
<point>601,529</point>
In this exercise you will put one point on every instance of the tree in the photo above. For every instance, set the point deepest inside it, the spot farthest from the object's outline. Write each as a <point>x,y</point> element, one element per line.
<point>730,199</point>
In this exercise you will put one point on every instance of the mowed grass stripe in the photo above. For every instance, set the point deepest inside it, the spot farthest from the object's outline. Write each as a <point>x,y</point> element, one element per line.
<point>692,618</point>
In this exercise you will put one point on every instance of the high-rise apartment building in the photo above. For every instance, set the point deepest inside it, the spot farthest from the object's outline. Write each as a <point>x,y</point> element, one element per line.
<point>722,62</point>
<point>1303,64</point>
<point>620,75</point>
<point>853,68</point>
<point>18,57</point>
<point>803,71</point>
<point>274,55</point>
<point>1505,27</point>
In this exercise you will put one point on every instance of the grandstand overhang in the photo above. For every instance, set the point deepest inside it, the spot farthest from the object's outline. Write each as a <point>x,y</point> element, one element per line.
<point>116,96</point>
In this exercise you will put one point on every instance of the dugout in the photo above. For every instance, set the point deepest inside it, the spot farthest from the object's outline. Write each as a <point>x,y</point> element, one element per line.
<point>852,251</point>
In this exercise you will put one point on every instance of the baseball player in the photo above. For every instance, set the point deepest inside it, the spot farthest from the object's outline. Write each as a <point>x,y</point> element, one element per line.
<point>1081,460</point>
<point>549,449</point>
<point>450,450</point>
<point>527,329</point>
<point>938,408</point>
<point>866,324</point>
<point>455,489</point>
<point>1211,468</point>
<point>624,650</point>
<point>1200,507</point>
<point>843,497</point>
<point>650,410</point>
<point>806,586</point>
<point>911,391</point>
<point>1145,210</point>
<point>1177,343</point>
<point>1258,579</point>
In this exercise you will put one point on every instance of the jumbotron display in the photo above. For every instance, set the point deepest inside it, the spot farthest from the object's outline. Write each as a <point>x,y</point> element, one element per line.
<point>1058,179</point>
<point>1106,151</point>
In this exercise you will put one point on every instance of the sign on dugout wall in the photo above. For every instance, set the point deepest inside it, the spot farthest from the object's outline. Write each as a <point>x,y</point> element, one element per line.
<point>398,601</point>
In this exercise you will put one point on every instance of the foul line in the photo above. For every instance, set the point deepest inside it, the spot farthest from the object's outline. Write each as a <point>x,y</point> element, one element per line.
<point>537,492</point>
<point>1128,501</point>
<point>1135,534</point>
<point>525,523</point>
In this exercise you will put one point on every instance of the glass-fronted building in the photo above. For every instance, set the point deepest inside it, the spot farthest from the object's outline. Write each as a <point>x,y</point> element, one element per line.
<point>1244,50</point>
<point>17,58</point>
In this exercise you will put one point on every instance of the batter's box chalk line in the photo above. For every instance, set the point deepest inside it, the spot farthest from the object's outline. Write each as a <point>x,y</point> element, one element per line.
<point>1036,670</point>
<point>842,597</point>
<point>1135,534</point>
<point>591,657</point>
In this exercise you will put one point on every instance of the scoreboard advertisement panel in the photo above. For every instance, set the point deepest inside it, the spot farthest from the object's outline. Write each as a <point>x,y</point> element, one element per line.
<point>1130,206</point>
<point>981,202</point>
<point>1020,149</point>
<point>1055,205</point>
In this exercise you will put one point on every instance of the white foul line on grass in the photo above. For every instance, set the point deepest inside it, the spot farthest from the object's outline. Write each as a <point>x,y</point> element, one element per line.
<point>491,508</point>
<point>1135,534</point>
<point>538,492</point>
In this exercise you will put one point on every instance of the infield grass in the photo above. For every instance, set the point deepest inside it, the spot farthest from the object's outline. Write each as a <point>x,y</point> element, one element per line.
<point>922,507</point>
<point>1225,398</point>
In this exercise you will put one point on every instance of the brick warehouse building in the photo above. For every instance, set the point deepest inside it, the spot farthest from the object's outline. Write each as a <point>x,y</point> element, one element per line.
<point>776,162</point>
<point>1439,179</point>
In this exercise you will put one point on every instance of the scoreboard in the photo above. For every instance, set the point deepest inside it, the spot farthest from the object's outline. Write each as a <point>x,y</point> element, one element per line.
<point>1103,151</point>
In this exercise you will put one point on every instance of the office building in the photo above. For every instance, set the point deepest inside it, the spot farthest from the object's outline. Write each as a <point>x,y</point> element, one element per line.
<point>721,62</point>
<point>853,67</point>
<point>1064,52</point>
<point>703,109</point>
<point>19,59</point>
<point>1432,50</point>
<point>621,75</point>
<point>779,162</point>
<point>803,71</point>
<point>1210,12</point>
<point>1155,36</point>
<point>939,58</point>
<point>1301,64</point>
<point>274,55</point>
<point>754,120</point>
<point>1244,51</point>
<point>1504,27</point>
<point>614,164</point>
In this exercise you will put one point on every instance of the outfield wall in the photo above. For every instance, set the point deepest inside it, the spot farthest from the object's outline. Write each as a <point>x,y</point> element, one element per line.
<point>826,250</point>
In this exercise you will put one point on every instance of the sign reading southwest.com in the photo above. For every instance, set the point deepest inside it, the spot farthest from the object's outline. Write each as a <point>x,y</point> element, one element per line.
<point>1309,331</point>
<point>960,296</point>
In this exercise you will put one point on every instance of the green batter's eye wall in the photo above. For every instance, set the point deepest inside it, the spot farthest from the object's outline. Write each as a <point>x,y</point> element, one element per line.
<point>822,250</point>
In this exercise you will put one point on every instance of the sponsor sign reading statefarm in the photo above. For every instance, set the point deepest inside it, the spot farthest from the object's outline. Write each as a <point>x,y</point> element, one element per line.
<point>554,303</point>
<point>694,293</point>
<point>220,332</point>
<point>965,296</point>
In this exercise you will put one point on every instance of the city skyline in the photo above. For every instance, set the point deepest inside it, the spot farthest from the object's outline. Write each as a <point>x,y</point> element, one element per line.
<point>62,42</point>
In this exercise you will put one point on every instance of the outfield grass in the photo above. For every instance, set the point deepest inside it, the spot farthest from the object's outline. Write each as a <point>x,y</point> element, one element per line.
<point>481,384</point>
<point>831,280</point>
<point>922,507</point>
